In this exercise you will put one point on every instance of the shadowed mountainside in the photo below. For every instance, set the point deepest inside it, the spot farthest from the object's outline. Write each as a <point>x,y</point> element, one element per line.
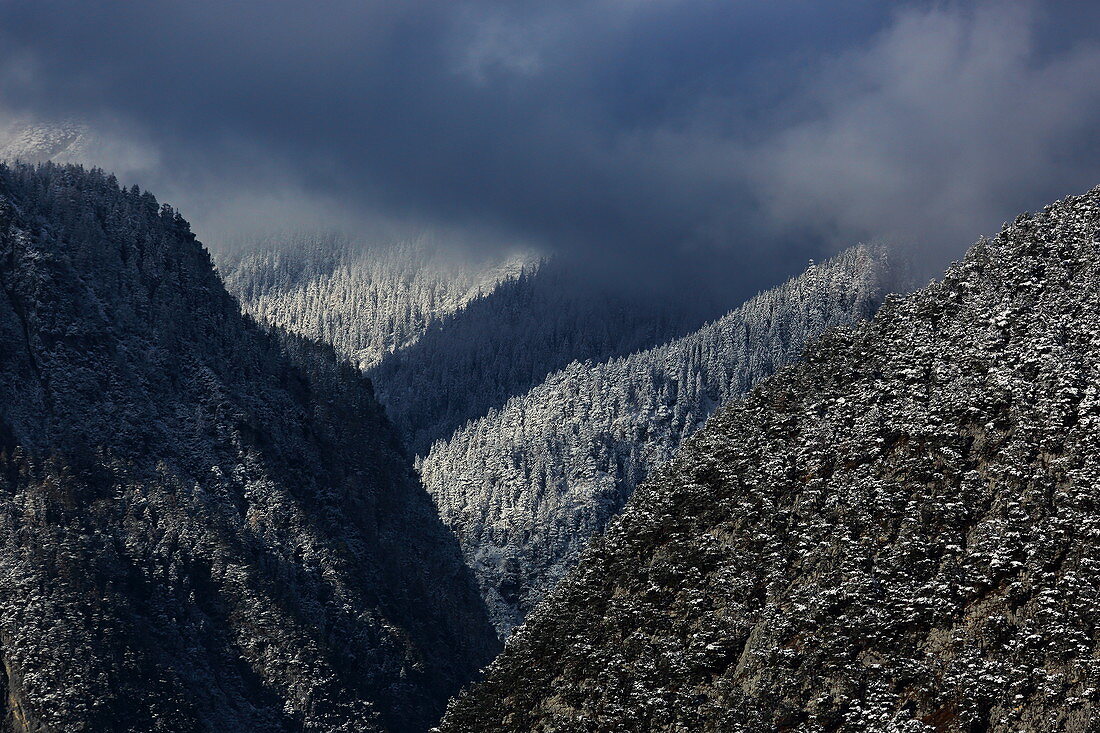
<point>203,526</point>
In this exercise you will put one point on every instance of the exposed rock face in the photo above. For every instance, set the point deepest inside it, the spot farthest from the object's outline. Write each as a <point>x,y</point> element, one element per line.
<point>203,526</point>
<point>527,486</point>
<point>900,533</point>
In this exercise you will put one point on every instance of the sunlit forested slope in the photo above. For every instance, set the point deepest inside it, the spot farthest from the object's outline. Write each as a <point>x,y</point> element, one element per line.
<point>525,487</point>
<point>367,301</point>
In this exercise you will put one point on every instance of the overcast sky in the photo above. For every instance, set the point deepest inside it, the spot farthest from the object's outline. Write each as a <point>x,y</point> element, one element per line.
<point>651,130</point>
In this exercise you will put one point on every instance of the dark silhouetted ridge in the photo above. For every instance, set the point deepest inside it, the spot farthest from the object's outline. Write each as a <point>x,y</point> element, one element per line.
<point>203,526</point>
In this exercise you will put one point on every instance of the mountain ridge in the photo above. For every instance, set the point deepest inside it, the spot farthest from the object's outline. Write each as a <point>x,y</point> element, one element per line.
<point>366,301</point>
<point>526,486</point>
<point>206,525</point>
<point>898,533</point>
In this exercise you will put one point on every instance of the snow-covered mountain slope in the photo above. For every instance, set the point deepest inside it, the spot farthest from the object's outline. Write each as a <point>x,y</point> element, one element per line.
<point>899,533</point>
<point>367,301</point>
<point>444,338</point>
<point>508,342</point>
<point>62,142</point>
<point>203,526</point>
<point>525,487</point>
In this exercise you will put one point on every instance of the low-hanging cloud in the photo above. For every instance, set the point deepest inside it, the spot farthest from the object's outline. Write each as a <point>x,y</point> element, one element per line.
<point>628,130</point>
<point>944,125</point>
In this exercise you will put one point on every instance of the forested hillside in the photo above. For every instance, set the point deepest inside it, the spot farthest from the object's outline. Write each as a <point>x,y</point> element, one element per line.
<point>505,344</point>
<point>367,301</point>
<point>202,526</point>
<point>525,487</point>
<point>899,533</point>
<point>63,142</point>
<point>445,338</point>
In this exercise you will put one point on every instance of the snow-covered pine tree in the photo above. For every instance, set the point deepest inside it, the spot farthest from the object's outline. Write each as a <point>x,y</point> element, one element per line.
<point>445,338</point>
<point>507,343</point>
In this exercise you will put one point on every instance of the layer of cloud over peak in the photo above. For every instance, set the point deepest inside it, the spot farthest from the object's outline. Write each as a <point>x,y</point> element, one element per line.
<point>626,129</point>
<point>945,123</point>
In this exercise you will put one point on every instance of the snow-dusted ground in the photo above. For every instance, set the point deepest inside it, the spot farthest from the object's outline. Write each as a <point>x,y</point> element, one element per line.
<point>62,143</point>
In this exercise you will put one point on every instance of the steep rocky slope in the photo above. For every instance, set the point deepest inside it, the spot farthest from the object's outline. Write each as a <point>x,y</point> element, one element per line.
<point>525,487</point>
<point>202,526</point>
<point>900,533</point>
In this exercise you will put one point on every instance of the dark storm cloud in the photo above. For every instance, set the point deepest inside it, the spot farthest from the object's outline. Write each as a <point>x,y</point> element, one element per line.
<point>634,128</point>
<point>940,128</point>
